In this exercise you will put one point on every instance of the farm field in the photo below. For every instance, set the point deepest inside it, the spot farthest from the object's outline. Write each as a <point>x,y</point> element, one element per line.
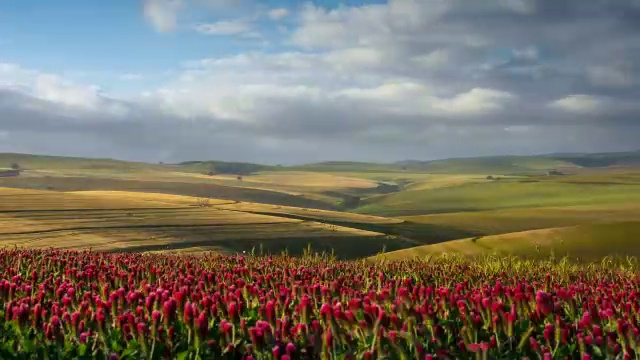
<point>130,221</point>
<point>400,205</point>
<point>156,306</point>
<point>583,243</point>
<point>496,195</point>
<point>531,218</point>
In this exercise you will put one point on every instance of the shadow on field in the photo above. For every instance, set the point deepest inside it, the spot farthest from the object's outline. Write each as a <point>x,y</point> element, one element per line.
<point>214,191</point>
<point>421,234</point>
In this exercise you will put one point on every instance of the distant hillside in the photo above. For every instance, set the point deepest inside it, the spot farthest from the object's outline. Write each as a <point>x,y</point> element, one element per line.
<point>336,166</point>
<point>30,162</point>
<point>587,242</point>
<point>224,167</point>
<point>495,165</point>
<point>522,164</point>
<point>602,159</point>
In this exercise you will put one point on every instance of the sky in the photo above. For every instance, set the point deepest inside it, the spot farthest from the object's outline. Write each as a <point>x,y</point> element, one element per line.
<point>288,82</point>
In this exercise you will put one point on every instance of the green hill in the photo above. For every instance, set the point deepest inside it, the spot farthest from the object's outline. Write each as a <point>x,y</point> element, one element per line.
<point>495,195</point>
<point>585,242</point>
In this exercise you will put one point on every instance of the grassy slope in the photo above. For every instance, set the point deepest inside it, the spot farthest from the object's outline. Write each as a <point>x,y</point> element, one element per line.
<point>495,195</point>
<point>496,165</point>
<point>591,241</point>
<point>483,165</point>
<point>27,161</point>
<point>128,221</point>
<point>513,220</point>
<point>297,188</point>
<point>456,190</point>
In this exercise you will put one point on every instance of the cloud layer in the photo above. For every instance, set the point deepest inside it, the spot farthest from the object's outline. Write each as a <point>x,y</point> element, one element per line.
<point>406,79</point>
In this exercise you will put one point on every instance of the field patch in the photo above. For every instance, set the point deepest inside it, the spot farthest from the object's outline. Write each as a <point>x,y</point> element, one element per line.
<point>495,195</point>
<point>521,219</point>
<point>126,221</point>
<point>585,242</point>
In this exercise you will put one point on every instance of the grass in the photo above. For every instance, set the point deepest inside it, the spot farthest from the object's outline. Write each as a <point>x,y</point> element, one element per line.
<point>27,161</point>
<point>127,206</point>
<point>495,164</point>
<point>189,188</point>
<point>297,188</point>
<point>496,195</point>
<point>130,221</point>
<point>521,219</point>
<point>585,242</point>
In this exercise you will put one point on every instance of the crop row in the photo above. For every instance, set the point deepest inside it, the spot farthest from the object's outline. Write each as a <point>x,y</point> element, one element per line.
<point>76,305</point>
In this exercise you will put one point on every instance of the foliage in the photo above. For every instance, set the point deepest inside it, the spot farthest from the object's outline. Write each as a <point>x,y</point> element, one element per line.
<point>68,305</point>
<point>203,202</point>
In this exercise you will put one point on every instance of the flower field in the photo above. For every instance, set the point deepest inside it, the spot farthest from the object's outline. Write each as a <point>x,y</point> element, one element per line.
<point>82,305</point>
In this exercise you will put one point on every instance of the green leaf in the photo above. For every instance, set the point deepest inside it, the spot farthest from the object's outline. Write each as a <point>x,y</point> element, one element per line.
<point>29,346</point>
<point>82,349</point>
<point>130,352</point>
<point>183,355</point>
<point>115,346</point>
<point>597,351</point>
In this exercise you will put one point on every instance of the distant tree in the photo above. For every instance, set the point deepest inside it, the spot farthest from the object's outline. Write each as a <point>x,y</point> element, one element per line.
<point>554,173</point>
<point>239,177</point>
<point>15,166</point>
<point>161,163</point>
<point>489,177</point>
<point>203,202</point>
<point>211,173</point>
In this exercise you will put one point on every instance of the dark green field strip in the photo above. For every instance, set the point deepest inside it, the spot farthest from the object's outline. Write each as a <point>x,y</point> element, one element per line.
<point>61,215</point>
<point>209,190</point>
<point>416,232</point>
<point>136,227</point>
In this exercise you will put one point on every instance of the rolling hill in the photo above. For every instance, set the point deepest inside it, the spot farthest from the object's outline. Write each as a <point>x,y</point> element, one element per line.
<point>397,206</point>
<point>584,242</point>
<point>131,221</point>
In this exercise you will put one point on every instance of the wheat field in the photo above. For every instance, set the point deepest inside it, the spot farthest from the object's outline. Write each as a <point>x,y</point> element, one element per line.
<point>130,221</point>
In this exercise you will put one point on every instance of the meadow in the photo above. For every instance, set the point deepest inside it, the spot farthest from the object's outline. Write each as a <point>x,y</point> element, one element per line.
<point>71,305</point>
<point>473,206</point>
<point>489,258</point>
<point>132,221</point>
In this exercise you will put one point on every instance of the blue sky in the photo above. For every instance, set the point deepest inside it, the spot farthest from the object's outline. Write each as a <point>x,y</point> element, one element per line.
<point>100,40</point>
<point>97,40</point>
<point>290,81</point>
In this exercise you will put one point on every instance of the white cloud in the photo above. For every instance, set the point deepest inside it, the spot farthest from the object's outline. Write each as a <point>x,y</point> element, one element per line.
<point>417,99</point>
<point>406,74</point>
<point>54,89</point>
<point>476,101</point>
<point>162,14</point>
<point>344,26</point>
<point>366,25</point>
<point>580,104</point>
<point>131,76</point>
<point>58,94</point>
<point>355,58</point>
<point>225,27</point>
<point>278,14</point>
